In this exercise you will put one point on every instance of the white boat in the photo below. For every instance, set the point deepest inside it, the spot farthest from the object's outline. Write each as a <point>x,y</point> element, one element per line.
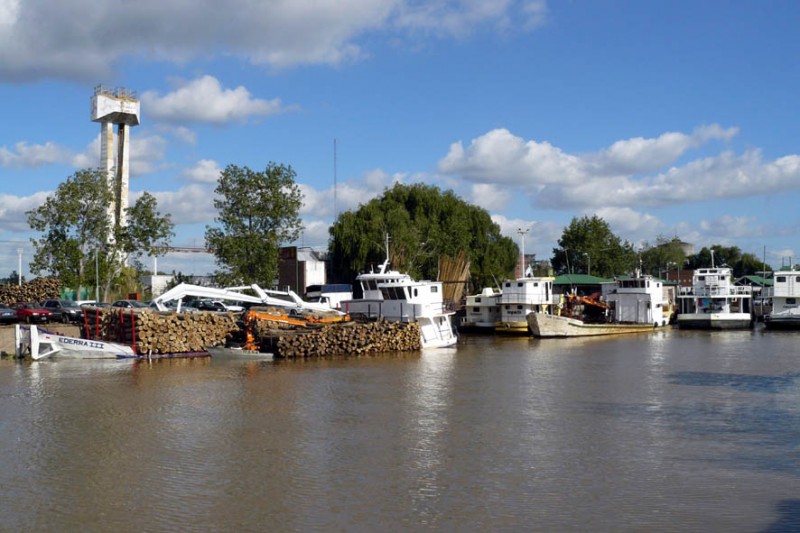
<point>785,312</point>
<point>395,297</point>
<point>39,344</point>
<point>521,297</point>
<point>626,306</point>
<point>482,311</point>
<point>714,302</point>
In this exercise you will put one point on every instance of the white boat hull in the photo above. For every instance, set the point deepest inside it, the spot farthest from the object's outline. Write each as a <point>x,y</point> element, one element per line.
<point>547,326</point>
<point>436,331</point>
<point>787,319</point>
<point>715,321</point>
<point>38,344</point>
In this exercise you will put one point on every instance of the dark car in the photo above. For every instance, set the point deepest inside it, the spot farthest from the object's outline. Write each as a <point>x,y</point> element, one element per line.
<point>210,305</point>
<point>64,310</point>
<point>31,312</point>
<point>7,315</point>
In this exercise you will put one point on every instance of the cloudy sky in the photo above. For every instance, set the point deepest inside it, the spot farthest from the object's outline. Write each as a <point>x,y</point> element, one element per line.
<point>674,118</point>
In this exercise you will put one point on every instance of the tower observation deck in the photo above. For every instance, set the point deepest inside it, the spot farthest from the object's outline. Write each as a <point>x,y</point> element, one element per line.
<point>116,107</point>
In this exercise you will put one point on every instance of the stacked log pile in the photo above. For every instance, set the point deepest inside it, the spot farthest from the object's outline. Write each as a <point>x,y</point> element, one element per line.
<point>33,291</point>
<point>156,332</point>
<point>349,339</point>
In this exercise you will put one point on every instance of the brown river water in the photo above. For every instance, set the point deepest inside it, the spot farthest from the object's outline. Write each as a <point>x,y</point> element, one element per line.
<point>667,431</point>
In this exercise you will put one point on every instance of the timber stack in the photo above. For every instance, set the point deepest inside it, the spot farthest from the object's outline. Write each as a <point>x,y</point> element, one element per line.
<point>157,332</point>
<point>345,339</point>
<point>33,291</point>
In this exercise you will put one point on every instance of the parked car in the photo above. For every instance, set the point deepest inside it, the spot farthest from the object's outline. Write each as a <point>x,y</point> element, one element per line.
<point>31,312</point>
<point>63,310</point>
<point>210,305</point>
<point>7,315</point>
<point>129,304</point>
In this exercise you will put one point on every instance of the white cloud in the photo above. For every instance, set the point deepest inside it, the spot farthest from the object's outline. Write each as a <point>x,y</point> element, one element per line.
<point>616,176</point>
<point>204,100</point>
<point>188,205</point>
<point>13,209</point>
<point>147,154</point>
<point>460,17</point>
<point>626,221</point>
<point>205,171</point>
<point>84,39</point>
<point>33,155</point>
<point>491,197</point>
<point>540,238</point>
<point>731,227</point>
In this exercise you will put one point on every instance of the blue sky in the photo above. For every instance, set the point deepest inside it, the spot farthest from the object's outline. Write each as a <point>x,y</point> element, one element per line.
<point>674,118</point>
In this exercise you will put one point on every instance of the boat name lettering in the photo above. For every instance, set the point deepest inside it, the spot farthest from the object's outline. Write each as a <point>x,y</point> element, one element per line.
<point>81,342</point>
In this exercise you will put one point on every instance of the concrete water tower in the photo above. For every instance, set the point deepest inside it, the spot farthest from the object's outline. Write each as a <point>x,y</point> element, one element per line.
<point>118,107</point>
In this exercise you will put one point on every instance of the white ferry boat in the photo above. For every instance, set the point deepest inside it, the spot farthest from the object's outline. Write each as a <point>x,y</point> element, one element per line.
<point>520,298</point>
<point>395,297</point>
<point>625,306</point>
<point>482,311</point>
<point>785,301</point>
<point>714,302</point>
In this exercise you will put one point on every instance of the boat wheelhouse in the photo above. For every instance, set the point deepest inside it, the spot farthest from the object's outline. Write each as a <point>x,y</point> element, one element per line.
<point>714,302</point>
<point>396,297</point>
<point>785,312</point>
<point>482,311</point>
<point>519,298</point>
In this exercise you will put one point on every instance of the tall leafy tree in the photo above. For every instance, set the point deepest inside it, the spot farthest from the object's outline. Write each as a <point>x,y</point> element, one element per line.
<point>588,246</point>
<point>77,234</point>
<point>424,224</point>
<point>257,213</point>
<point>665,255</point>
<point>741,264</point>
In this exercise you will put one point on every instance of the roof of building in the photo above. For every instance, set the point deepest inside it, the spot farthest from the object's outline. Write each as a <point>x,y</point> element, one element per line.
<point>754,280</point>
<point>579,279</point>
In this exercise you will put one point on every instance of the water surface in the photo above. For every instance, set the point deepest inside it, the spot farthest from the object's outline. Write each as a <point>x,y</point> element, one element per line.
<point>670,431</point>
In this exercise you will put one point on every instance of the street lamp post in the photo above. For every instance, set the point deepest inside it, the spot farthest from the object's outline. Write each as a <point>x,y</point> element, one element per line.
<point>19,266</point>
<point>588,264</point>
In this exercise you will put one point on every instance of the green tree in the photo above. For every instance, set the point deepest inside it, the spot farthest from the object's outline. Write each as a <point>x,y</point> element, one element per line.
<point>257,213</point>
<point>665,255</point>
<point>424,224</point>
<point>588,246</point>
<point>730,256</point>
<point>75,225</point>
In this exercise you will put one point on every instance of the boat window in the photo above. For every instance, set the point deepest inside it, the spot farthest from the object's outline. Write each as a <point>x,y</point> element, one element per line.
<point>519,307</point>
<point>781,279</point>
<point>477,300</point>
<point>416,292</point>
<point>797,278</point>
<point>791,301</point>
<point>476,309</point>
<point>434,289</point>
<point>519,284</point>
<point>508,284</point>
<point>701,278</point>
<point>535,284</point>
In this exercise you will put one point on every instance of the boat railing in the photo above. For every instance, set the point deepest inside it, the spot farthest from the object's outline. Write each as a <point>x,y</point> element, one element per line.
<point>733,290</point>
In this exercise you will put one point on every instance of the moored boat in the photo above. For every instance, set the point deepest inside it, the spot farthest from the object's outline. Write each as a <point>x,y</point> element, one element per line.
<point>521,297</point>
<point>785,312</point>
<point>482,311</point>
<point>627,306</point>
<point>714,302</point>
<point>39,344</point>
<point>395,297</point>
